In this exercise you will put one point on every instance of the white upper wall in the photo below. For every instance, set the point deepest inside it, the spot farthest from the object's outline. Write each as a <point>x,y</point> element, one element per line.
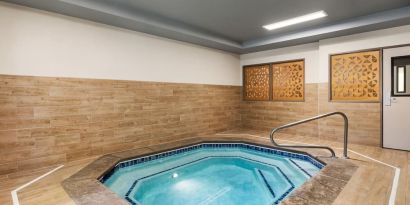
<point>33,42</point>
<point>317,54</point>
<point>38,43</point>
<point>309,52</point>
<point>368,40</point>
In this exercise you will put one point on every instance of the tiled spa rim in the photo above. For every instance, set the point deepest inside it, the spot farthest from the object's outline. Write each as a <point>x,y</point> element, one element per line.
<point>266,172</point>
<point>183,159</point>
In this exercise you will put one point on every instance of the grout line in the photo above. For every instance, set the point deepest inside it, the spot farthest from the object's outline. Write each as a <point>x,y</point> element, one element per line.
<point>395,184</point>
<point>14,196</point>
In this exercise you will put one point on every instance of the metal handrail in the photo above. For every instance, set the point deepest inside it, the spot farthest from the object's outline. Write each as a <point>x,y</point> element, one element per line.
<point>346,127</point>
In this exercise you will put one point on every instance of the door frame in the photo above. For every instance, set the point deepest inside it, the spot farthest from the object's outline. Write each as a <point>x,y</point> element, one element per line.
<point>381,84</point>
<point>381,102</point>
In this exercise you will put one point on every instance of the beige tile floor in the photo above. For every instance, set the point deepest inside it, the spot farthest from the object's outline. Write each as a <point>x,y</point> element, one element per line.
<point>371,184</point>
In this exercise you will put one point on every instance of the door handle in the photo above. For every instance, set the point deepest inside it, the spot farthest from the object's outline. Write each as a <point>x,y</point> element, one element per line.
<point>393,100</point>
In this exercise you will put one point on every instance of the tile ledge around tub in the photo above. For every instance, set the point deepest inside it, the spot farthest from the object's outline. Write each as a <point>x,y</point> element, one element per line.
<point>84,186</point>
<point>325,186</point>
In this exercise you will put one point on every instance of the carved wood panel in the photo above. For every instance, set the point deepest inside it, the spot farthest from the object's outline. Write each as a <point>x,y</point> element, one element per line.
<point>355,76</point>
<point>288,81</point>
<point>256,82</point>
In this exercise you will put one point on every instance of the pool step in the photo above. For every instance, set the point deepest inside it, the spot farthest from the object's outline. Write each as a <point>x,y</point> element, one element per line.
<point>282,185</point>
<point>304,167</point>
<point>265,181</point>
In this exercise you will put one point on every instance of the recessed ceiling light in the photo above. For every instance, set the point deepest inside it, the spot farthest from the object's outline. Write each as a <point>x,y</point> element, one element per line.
<point>296,20</point>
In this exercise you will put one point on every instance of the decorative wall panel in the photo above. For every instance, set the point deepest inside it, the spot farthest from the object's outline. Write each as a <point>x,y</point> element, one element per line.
<point>256,82</point>
<point>355,76</point>
<point>288,81</point>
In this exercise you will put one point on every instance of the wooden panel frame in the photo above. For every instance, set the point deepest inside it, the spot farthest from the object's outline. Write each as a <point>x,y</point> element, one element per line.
<point>244,78</point>
<point>379,73</point>
<point>302,60</point>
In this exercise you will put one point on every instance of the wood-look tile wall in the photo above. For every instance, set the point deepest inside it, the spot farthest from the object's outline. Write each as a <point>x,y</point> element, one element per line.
<point>364,120</point>
<point>47,121</point>
<point>268,114</point>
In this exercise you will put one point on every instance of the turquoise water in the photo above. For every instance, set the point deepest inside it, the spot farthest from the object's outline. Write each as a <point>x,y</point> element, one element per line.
<point>225,176</point>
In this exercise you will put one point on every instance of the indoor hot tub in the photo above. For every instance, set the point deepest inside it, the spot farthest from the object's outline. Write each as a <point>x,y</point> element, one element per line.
<point>212,173</point>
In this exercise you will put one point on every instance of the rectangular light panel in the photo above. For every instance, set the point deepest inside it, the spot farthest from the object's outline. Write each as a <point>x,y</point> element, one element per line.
<point>296,20</point>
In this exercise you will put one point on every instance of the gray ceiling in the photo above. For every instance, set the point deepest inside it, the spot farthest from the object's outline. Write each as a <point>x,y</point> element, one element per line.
<point>235,25</point>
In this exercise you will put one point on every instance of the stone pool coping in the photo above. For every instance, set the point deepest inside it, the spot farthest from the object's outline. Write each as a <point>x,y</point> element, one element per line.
<point>84,186</point>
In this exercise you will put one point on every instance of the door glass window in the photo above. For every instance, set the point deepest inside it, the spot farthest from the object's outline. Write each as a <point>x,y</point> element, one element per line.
<point>401,76</point>
<point>401,79</point>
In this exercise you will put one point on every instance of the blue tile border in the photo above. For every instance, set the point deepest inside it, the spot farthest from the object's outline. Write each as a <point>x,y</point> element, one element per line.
<point>242,145</point>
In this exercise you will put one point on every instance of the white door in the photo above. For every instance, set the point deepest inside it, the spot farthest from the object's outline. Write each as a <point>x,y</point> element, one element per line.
<point>396,100</point>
